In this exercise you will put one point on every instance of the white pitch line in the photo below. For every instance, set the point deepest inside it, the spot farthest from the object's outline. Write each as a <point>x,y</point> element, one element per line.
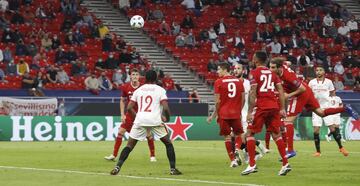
<point>127,176</point>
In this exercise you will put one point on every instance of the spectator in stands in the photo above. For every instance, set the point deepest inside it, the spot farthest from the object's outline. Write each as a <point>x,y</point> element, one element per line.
<point>92,84</point>
<point>335,12</point>
<point>120,43</point>
<point>270,18</point>
<point>46,42</point>
<point>103,30</point>
<point>62,77</point>
<point>88,19</point>
<point>79,38</point>
<point>284,47</point>
<point>1,56</point>
<point>299,8</point>
<point>55,42</point>
<point>28,83</point>
<point>40,12</point>
<point>107,43</point>
<point>32,48</point>
<point>39,83</point>
<point>157,14</point>
<point>350,61</point>
<point>4,5</point>
<point>322,56</point>
<point>328,20</point>
<point>267,35</point>
<point>52,74</point>
<point>21,49</point>
<point>204,35</point>
<point>194,96</point>
<point>293,43</point>
<point>349,78</point>
<point>352,24</point>
<point>157,69</point>
<point>135,56</point>
<point>189,4</point>
<point>212,34</point>
<point>178,86</point>
<point>187,22</point>
<point>180,40</point>
<point>18,36</point>
<point>8,36</point>
<point>287,30</point>
<point>95,31</point>
<point>212,66</point>
<point>68,7</point>
<point>71,55</point>
<point>2,76</point>
<point>260,18</point>
<point>190,40</point>
<point>216,46</point>
<point>104,82</point>
<point>7,55</point>
<point>11,68</point>
<point>220,28</point>
<point>284,14</point>
<point>303,59</point>
<point>100,65</point>
<point>168,82</point>
<point>22,67</point>
<point>237,40</point>
<point>124,57</point>
<point>60,56</point>
<point>233,59</point>
<point>304,42</point>
<point>275,46</point>
<point>244,60</point>
<point>111,62</point>
<point>339,68</point>
<point>164,28</point>
<point>75,68</point>
<point>257,35</point>
<point>343,30</point>
<point>175,28</point>
<point>4,23</point>
<point>137,4</point>
<point>238,11</point>
<point>17,18</point>
<point>277,29</point>
<point>338,85</point>
<point>117,78</point>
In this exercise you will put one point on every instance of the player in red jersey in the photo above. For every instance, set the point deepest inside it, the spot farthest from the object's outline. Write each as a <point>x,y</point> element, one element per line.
<point>299,95</point>
<point>264,109</point>
<point>127,119</point>
<point>229,100</point>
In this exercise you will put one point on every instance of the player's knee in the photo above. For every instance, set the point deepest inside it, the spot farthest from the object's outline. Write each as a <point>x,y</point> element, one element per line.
<point>227,137</point>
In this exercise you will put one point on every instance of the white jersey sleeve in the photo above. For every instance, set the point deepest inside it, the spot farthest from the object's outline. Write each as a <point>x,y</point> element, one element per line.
<point>244,110</point>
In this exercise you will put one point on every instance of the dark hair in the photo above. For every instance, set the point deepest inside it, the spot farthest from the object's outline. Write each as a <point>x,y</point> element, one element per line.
<point>261,56</point>
<point>225,66</point>
<point>278,61</point>
<point>151,76</point>
<point>320,66</point>
<point>134,70</point>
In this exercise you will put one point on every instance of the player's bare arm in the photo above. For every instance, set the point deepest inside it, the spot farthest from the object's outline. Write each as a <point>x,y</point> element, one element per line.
<point>252,101</point>
<point>130,108</point>
<point>122,109</point>
<point>166,111</point>
<point>217,105</point>
<point>242,99</point>
<point>280,89</point>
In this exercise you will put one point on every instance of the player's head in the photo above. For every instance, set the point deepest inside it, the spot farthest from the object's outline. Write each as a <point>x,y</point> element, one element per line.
<point>223,69</point>
<point>134,75</point>
<point>150,76</point>
<point>260,58</point>
<point>320,71</point>
<point>238,70</point>
<point>276,64</point>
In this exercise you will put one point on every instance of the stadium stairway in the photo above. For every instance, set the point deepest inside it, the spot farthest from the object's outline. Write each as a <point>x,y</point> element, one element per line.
<point>352,5</point>
<point>119,24</point>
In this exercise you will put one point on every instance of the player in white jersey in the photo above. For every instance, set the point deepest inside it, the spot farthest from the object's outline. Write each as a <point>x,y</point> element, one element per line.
<point>238,72</point>
<point>334,101</point>
<point>323,89</point>
<point>152,102</point>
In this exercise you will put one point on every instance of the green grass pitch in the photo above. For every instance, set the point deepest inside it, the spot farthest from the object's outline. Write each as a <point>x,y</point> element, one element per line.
<point>202,162</point>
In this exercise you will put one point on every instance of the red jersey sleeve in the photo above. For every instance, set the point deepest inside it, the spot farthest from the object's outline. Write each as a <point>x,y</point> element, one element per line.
<point>276,78</point>
<point>124,92</point>
<point>291,78</point>
<point>252,77</point>
<point>217,86</point>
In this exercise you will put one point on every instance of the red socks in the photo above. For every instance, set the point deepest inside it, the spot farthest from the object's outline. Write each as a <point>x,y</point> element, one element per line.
<point>151,145</point>
<point>267,140</point>
<point>250,145</point>
<point>229,149</point>
<point>281,147</point>
<point>331,111</point>
<point>290,135</point>
<point>238,142</point>
<point>117,145</point>
<point>284,136</point>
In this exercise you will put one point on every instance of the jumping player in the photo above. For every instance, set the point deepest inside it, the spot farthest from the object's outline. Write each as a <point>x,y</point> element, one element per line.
<point>127,119</point>
<point>299,95</point>
<point>323,89</point>
<point>264,109</point>
<point>153,111</point>
<point>229,100</point>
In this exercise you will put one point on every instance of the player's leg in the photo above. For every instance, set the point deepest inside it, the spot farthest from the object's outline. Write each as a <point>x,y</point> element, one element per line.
<point>283,132</point>
<point>317,122</point>
<point>118,142</point>
<point>237,130</point>
<point>267,140</point>
<point>289,127</point>
<point>331,111</point>
<point>170,151</point>
<point>150,141</point>
<point>124,155</point>
<point>337,137</point>
<point>225,130</point>
<point>328,135</point>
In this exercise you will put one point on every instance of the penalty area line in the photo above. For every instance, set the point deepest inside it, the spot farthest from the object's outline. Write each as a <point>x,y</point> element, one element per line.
<point>127,176</point>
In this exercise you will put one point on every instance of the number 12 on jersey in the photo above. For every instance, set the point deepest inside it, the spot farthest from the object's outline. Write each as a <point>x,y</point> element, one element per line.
<point>147,102</point>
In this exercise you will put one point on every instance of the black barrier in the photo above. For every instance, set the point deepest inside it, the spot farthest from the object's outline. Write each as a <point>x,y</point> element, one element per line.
<point>113,109</point>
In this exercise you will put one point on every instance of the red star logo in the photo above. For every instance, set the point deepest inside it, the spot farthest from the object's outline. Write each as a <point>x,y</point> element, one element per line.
<point>356,125</point>
<point>178,129</point>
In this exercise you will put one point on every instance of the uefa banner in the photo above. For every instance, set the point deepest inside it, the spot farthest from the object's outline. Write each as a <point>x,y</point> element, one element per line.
<point>28,107</point>
<point>99,128</point>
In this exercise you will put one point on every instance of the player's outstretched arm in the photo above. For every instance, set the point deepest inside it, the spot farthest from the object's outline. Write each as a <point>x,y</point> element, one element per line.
<point>166,111</point>
<point>298,91</point>
<point>130,108</point>
<point>252,100</point>
<point>280,89</point>
<point>217,106</point>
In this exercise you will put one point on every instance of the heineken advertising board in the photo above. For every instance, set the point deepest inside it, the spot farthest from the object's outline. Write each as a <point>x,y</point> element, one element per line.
<point>98,128</point>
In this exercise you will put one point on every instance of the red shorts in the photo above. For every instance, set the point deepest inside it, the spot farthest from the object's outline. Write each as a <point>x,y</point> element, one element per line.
<point>227,124</point>
<point>129,122</point>
<point>306,99</point>
<point>269,117</point>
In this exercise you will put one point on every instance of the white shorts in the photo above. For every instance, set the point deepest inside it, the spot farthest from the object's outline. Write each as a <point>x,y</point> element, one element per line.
<point>328,120</point>
<point>140,132</point>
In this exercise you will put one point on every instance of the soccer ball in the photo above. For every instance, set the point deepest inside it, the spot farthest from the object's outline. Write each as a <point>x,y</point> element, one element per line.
<point>137,21</point>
